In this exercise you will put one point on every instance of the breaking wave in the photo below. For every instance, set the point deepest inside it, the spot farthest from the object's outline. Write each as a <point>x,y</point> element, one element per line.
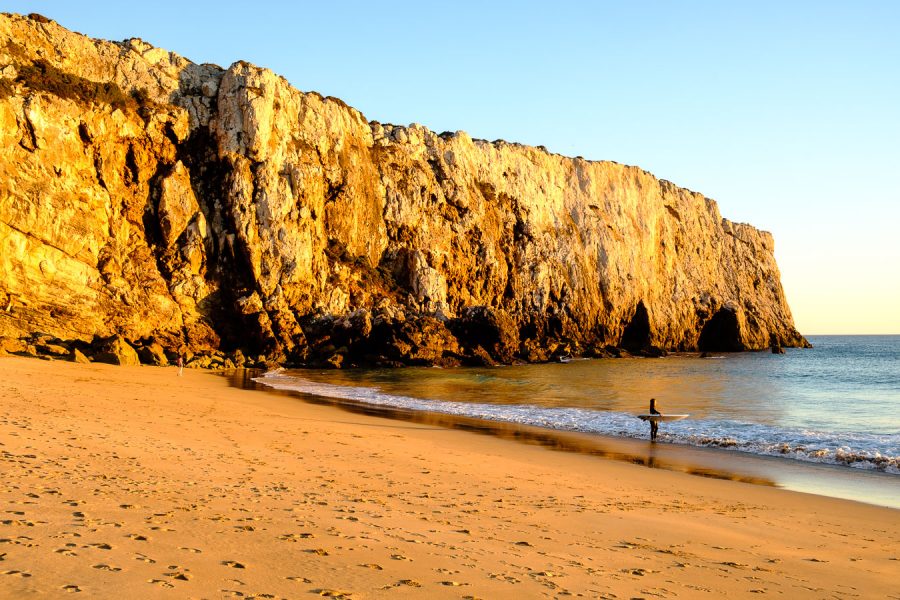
<point>872,451</point>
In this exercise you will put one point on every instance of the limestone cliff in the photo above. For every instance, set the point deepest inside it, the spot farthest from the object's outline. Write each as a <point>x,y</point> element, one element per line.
<point>145,196</point>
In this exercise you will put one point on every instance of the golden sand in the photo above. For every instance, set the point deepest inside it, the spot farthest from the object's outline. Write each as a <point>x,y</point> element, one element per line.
<point>134,482</point>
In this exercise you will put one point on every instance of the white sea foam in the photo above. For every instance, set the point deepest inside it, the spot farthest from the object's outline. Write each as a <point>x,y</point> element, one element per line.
<point>879,452</point>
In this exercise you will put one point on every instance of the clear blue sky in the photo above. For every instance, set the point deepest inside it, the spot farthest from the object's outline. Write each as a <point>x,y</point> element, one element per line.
<point>787,113</point>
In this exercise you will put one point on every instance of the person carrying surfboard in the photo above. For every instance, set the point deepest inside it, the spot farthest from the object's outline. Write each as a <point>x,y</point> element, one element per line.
<point>654,424</point>
<point>654,417</point>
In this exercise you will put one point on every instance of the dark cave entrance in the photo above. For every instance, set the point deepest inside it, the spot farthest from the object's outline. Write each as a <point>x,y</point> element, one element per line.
<point>721,333</point>
<point>636,336</point>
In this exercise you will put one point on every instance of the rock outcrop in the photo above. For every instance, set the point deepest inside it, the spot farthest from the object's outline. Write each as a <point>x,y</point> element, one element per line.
<point>198,208</point>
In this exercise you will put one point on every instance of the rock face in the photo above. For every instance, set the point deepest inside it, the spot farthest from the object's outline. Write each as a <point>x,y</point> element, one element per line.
<point>118,352</point>
<point>195,207</point>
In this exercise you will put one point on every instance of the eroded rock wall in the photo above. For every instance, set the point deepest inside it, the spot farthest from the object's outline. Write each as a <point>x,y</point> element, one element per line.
<point>146,196</point>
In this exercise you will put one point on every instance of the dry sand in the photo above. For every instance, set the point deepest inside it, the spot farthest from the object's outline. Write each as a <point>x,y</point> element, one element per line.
<point>133,482</point>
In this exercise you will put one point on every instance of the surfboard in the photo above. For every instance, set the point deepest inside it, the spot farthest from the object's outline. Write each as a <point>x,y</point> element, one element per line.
<point>662,417</point>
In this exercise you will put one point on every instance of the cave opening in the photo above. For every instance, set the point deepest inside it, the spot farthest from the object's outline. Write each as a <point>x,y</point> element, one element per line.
<point>636,336</point>
<point>722,333</point>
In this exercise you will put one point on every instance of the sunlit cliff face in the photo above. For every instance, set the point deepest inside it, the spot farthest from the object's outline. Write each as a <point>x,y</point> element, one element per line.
<point>147,196</point>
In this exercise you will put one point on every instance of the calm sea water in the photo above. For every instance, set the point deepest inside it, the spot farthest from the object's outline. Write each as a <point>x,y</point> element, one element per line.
<point>837,403</point>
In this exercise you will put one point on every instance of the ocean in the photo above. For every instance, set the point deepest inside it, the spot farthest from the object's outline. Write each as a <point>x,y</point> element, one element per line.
<point>836,405</point>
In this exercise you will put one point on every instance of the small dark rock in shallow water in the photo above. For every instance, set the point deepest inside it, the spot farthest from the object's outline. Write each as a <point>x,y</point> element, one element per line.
<point>775,344</point>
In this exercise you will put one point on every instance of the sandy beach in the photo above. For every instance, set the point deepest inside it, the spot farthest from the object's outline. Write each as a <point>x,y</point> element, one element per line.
<point>134,482</point>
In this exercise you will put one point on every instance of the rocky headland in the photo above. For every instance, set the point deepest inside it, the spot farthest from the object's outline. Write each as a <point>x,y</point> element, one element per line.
<point>151,205</point>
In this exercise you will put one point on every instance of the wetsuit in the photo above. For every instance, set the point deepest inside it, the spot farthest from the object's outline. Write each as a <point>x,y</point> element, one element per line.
<point>654,425</point>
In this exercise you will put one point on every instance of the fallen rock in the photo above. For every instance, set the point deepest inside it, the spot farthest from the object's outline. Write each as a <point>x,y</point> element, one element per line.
<point>153,354</point>
<point>117,351</point>
<point>335,361</point>
<point>198,362</point>
<point>78,357</point>
<point>52,349</point>
<point>488,331</point>
<point>13,345</point>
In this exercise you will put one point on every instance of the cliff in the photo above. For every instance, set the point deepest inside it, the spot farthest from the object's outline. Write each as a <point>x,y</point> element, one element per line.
<point>188,206</point>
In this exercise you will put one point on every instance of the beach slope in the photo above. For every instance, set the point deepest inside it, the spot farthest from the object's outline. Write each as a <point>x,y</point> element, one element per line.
<point>134,482</point>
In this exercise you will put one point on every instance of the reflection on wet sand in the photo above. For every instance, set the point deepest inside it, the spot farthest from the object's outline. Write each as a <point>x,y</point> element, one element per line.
<point>649,455</point>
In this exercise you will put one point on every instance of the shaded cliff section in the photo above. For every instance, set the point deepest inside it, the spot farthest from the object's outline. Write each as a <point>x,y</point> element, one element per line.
<point>188,207</point>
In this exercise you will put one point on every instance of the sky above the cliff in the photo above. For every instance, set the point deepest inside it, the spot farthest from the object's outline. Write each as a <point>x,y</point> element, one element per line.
<point>786,113</point>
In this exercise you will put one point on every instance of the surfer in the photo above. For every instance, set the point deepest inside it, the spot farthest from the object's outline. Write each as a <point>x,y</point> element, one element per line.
<point>654,424</point>
<point>654,417</point>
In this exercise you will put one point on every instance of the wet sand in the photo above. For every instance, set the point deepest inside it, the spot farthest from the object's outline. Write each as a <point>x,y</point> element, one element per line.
<point>870,487</point>
<point>131,481</point>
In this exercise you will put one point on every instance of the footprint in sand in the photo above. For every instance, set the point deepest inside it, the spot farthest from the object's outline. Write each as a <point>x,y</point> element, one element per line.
<point>20,522</point>
<point>233,564</point>
<point>71,588</point>
<point>179,575</point>
<point>293,537</point>
<point>24,540</point>
<point>137,537</point>
<point>103,567</point>
<point>506,578</point>
<point>144,558</point>
<point>548,574</point>
<point>17,573</point>
<point>161,583</point>
<point>192,550</point>
<point>373,566</point>
<point>298,579</point>
<point>99,546</point>
<point>339,594</point>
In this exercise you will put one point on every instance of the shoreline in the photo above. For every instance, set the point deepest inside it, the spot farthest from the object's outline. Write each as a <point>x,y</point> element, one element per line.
<point>844,482</point>
<point>131,480</point>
